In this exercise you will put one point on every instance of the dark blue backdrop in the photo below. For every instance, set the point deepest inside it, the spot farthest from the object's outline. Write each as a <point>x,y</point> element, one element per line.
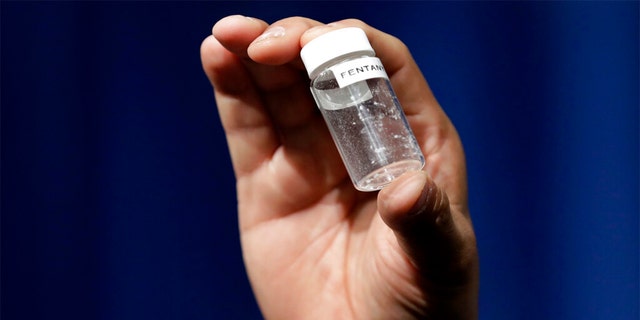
<point>117,192</point>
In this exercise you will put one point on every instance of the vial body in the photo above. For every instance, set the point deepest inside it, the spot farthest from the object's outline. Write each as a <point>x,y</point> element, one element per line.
<point>368,127</point>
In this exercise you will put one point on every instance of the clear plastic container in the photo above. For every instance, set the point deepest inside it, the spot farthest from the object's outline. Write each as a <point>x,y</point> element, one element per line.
<point>365,119</point>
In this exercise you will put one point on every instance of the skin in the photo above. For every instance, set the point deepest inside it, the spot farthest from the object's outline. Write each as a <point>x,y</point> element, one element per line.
<point>314,247</point>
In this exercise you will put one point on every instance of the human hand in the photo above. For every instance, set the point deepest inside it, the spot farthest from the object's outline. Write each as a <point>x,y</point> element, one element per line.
<point>314,247</point>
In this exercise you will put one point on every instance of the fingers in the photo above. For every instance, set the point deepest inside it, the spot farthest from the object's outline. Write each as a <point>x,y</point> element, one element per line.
<point>250,135</point>
<point>439,241</point>
<point>266,68</point>
<point>263,94</point>
<point>280,42</point>
<point>236,32</point>
<point>274,44</point>
<point>266,48</point>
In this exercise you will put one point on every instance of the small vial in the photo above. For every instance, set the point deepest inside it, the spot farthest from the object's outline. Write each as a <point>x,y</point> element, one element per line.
<point>353,92</point>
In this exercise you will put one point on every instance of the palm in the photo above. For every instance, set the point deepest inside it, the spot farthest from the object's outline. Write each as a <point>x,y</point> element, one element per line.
<point>311,232</point>
<point>325,261</point>
<point>314,247</point>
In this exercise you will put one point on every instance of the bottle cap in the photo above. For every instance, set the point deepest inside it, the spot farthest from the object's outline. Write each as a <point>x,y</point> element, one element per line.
<point>320,52</point>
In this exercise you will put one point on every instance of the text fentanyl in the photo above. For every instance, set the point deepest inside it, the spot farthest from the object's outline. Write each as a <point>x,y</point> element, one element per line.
<point>358,70</point>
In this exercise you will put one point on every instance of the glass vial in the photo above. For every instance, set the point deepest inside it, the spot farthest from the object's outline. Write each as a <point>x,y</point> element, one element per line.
<point>353,92</point>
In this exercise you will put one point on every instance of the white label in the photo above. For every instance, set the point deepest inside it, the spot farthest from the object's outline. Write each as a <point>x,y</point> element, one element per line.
<point>353,71</point>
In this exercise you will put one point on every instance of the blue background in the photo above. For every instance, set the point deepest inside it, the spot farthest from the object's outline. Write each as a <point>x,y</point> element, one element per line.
<point>118,196</point>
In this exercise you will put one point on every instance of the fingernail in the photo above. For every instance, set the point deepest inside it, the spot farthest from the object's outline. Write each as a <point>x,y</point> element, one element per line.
<point>271,33</point>
<point>416,185</point>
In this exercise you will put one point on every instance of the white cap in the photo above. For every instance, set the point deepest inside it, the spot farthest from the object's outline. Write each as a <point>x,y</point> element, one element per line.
<point>324,49</point>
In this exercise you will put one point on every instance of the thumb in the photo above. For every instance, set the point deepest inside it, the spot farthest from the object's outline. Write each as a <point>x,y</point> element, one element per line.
<point>439,242</point>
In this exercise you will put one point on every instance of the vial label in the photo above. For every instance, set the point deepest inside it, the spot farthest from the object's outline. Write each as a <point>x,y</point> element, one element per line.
<point>357,70</point>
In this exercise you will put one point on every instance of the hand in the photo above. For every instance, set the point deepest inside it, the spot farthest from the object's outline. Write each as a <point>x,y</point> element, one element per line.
<point>314,247</point>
